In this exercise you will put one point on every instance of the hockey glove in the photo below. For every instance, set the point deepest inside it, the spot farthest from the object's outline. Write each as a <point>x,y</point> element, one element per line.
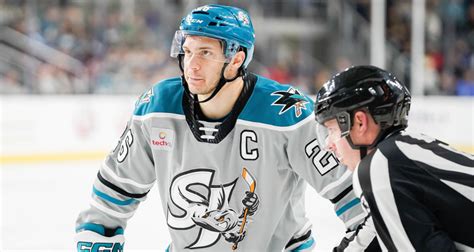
<point>251,202</point>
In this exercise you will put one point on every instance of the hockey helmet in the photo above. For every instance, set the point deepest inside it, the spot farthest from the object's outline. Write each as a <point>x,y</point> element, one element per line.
<point>229,24</point>
<point>362,88</point>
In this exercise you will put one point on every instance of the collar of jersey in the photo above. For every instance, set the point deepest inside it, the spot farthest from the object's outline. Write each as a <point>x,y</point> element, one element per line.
<point>193,116</point>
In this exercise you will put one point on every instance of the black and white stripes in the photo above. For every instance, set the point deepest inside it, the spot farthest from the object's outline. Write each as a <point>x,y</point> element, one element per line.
<point>420,193</point>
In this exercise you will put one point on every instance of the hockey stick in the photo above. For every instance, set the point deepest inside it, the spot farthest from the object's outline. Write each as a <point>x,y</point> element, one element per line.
<point>251,182</point>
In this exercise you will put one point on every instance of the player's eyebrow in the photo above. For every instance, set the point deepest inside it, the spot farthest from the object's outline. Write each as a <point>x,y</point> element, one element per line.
<point>202,47</point>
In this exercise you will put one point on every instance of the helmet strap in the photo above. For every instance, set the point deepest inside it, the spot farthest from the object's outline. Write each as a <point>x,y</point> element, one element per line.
<point>363,152</point>
<point>362,148</point>
<point>381,136</point>
<point>180,63</point>
<point>220,84</point>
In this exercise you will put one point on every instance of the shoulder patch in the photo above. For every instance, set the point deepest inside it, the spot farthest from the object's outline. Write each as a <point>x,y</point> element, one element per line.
<point>146,97</point>
<point>288,99</point>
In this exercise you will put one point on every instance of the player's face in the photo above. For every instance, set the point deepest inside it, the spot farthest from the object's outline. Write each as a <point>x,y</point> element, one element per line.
<point>340,146</point>
<point>203,61</point>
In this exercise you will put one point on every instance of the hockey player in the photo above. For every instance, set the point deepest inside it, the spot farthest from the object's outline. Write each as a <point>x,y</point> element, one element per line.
<point>418,190</point>
<point>224,146</point>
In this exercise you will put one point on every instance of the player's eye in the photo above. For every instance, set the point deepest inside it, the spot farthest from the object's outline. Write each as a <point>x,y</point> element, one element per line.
<point>187,52</point>
<point>206,53</point>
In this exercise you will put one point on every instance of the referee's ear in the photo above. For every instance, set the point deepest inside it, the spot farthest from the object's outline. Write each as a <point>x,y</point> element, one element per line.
<point>364,128</point>
<point>360,122</point>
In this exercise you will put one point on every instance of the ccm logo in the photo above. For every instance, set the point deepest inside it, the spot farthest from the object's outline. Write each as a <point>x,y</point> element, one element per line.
<point>99,247</point>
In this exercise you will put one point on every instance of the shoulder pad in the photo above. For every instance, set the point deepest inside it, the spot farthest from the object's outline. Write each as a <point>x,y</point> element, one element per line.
<point>164,97</point>
<point>276,104</point>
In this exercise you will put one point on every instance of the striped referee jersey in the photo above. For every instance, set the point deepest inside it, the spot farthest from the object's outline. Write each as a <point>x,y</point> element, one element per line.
<point>419,192</point>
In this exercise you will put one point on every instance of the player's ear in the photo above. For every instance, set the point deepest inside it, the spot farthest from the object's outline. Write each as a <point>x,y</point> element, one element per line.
<point>238,59</point>
<point>234,64</point>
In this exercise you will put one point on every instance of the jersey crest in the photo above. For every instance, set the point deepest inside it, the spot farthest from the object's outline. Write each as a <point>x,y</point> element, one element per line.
<point>198,203</point>
<point>291,98</point>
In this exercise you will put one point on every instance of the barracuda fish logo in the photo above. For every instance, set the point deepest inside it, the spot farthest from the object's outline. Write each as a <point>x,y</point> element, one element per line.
<point>212,214</point>
<point>223,220</point>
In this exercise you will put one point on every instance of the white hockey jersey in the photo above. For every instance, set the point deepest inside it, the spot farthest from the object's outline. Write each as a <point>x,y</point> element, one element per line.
<point>267,145</point>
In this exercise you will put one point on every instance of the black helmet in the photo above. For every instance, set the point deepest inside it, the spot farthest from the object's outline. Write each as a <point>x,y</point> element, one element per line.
<point>363,87</point>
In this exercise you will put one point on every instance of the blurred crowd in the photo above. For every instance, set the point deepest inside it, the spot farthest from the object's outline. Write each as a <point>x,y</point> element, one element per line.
<point>118,52</point>
<point>123,47</point>
<point>449,43</point>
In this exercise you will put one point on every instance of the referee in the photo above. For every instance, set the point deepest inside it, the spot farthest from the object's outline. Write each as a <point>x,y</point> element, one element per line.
<point>418,190</point>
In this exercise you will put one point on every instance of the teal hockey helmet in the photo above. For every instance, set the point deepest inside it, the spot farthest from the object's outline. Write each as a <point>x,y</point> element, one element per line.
<point>229,24</point>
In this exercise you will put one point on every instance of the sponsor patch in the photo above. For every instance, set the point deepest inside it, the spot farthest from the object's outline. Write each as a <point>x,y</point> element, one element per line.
<point>162,139</point>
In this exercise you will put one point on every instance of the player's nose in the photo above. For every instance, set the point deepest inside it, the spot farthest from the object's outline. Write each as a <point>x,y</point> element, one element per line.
<point>330,146</point>
<point>193,62</point>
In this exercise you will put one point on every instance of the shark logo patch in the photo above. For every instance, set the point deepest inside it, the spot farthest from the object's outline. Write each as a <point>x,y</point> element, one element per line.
<point>291,98</point>
<point>197,203</point>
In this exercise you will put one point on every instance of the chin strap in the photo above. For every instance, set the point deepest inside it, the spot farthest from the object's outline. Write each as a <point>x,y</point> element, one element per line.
<point>363,152</point>
<point>381,136</point>
<point>362,148</point>
<point>241,72</point>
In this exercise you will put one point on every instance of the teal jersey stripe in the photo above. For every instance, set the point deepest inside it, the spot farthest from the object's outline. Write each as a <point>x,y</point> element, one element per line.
<point>167,96</point>
<point>111,199</point>
<point>91,227</point>
<point>305,245</point>
<point>347,206</point>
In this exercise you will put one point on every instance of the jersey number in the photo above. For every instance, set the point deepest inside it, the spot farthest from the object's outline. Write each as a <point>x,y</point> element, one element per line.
<point>125,144</point>
<point>322,160</point>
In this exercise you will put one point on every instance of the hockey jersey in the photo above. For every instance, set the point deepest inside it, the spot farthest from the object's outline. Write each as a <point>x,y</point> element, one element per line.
<point>203,175</point>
